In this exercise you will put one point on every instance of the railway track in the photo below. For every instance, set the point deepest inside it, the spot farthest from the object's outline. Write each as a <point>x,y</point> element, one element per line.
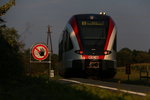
<point>126,88</point>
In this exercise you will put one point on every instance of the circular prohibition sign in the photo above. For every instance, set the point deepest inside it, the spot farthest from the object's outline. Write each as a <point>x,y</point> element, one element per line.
<point>40,51</point>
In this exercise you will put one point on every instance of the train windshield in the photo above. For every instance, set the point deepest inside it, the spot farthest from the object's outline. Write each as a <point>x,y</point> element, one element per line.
<point>93,34</point>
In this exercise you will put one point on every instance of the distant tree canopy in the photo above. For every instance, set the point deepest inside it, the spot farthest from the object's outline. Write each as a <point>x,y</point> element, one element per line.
<point>127,56</point>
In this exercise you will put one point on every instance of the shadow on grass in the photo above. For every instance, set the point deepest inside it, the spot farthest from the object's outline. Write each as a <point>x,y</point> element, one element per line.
<point>31,88</point>
<point>137,82</point>
<point>142,82</point>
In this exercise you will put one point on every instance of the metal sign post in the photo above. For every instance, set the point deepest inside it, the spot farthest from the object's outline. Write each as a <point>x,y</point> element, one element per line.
<point>128,70</point>
<point>39,53</point>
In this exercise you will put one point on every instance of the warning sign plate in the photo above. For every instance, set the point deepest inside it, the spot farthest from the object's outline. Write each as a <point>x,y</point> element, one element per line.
<point>39,51</point>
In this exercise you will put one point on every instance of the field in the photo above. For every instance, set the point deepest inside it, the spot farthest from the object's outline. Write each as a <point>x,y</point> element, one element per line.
<point>134,77</point>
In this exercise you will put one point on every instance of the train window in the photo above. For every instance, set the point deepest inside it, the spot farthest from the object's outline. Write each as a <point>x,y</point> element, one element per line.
<point>68,42</point>
<point>94,44</point>
<point>95,23</point>
<point>93,33</point>
<point>61,48</point>
<point>115,44</point>
<point>93,29</point>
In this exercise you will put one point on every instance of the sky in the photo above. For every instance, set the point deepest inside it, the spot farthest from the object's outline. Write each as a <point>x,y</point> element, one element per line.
<point>31,18</point>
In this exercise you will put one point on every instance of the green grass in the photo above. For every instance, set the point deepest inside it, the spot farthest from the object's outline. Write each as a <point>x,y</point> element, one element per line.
<point>134,77</point>
<point>33,88</point>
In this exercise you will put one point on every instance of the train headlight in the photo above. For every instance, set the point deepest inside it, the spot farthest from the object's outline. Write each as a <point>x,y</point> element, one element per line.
<point>102,13</point>
<point>79,52</point>
<point>107,52</point>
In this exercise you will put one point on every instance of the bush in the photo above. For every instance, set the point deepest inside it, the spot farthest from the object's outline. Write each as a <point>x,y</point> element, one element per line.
<point>11,66</point>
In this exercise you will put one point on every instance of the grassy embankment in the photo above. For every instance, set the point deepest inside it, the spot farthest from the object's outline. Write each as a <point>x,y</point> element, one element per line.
<point>134,77</point>
<point>32,88</point>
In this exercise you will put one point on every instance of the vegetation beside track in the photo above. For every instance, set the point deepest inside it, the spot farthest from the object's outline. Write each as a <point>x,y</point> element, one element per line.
<point>134,77</point>
<point>37,88</point>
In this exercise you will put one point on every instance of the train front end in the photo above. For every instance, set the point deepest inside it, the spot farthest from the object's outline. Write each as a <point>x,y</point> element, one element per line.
<point>89,46</point>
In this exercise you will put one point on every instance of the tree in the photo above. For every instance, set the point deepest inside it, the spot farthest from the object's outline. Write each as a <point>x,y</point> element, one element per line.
<point>4,8</point>
<point>11,66</point>
<point>124,56</point>
<point>149,51</point>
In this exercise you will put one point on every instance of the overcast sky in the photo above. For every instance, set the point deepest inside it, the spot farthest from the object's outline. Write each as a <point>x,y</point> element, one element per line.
<point>31,18</point>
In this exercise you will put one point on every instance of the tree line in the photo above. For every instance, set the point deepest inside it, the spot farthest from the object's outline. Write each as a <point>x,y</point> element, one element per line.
<point>128,56</point>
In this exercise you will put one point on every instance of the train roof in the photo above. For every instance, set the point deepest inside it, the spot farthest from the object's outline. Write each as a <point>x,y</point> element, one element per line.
<point>90,16</point>
<point>95,15</point>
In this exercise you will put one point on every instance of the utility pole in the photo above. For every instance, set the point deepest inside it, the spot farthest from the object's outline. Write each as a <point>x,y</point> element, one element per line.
<point>49,40</point>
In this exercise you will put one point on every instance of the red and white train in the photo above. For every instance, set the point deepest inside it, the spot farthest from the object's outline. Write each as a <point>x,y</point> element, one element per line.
<point>87,46</point>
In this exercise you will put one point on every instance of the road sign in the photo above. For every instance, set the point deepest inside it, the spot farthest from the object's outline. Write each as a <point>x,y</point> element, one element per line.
<point>40,51</point>
<point>128,69</point>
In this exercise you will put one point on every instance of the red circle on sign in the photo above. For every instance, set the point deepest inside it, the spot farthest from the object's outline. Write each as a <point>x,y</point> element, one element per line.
<point>36,51</point>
